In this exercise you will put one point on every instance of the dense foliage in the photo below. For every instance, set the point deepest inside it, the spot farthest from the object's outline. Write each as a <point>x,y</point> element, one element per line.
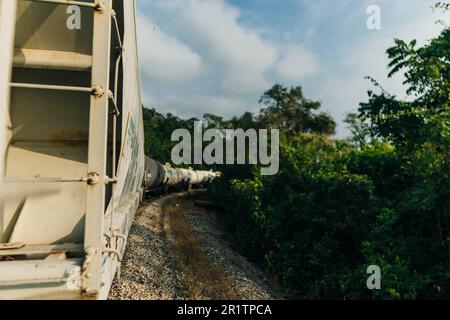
<point>336,207</point>
<point>158,129</point>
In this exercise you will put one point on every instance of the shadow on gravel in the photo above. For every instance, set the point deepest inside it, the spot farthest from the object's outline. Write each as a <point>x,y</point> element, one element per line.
<point>203,278</point>
<point>148,271</point>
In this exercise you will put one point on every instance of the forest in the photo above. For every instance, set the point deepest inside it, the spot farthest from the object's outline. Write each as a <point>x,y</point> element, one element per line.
<point>336,206</point>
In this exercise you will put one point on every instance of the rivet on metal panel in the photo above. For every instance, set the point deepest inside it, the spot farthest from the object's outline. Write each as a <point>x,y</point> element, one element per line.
<point>90,252</point>
<point>97,91</point>
<point>90,293</point>
<point>92,178</point>
<point>100,7</point>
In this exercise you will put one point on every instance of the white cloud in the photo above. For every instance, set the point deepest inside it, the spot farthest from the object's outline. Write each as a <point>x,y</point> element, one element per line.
<point>164,58</point>
<point>344,88</point>
<point>206,58</point>
<point>238,54</point>
<point>198,104</point>
<point>297,63</point>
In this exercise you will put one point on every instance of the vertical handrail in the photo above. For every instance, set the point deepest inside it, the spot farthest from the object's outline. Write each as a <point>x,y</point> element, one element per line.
<point>97,154</point>
<point>112,238</point>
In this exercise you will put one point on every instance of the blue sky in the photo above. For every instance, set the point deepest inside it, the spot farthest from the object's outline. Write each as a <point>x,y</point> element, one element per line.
<point>219,56</point>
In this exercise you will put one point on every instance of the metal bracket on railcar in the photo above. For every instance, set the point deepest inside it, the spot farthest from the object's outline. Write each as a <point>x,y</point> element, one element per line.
<point>109,180</point>
<point>92,178</point>
<point>100,6</point>
<point>119,256</point>
<point>97,91</point>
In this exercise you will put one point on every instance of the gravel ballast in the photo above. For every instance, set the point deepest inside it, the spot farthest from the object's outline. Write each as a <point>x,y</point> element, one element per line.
<point>152,268</point>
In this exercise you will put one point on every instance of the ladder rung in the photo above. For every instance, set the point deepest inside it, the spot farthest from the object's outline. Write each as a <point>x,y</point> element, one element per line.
<point>44,180</point>
<point>87,179</point>
<point>93,5</point>
<point>40,249</point>
<point>36,272</point>
<point>51,87</point>
<point>48,59</point>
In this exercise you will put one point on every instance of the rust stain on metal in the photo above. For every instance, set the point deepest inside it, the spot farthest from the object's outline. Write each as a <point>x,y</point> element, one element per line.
<point>73,139</point>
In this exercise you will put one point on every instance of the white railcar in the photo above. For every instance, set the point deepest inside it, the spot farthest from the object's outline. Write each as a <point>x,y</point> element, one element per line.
<point>72,163</point>
<point>71,143</point>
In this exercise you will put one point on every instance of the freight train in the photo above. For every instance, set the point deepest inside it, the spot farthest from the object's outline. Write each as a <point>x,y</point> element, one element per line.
<point>72,165</point>
<point>159,177</point>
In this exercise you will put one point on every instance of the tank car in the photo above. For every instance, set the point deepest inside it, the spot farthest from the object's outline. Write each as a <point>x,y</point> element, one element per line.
<point>158,176</point>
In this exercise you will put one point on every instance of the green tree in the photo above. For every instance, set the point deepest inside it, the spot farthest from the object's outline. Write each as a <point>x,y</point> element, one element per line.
<point>360,132</point>
<point>425,119</point>
<point>411,238</point>
<point>288,110</point>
